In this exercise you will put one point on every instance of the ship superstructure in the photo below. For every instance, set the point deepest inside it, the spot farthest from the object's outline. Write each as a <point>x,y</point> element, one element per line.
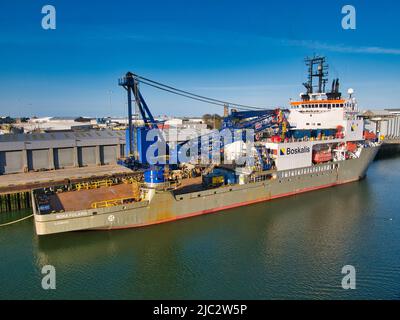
<point>318,142</point>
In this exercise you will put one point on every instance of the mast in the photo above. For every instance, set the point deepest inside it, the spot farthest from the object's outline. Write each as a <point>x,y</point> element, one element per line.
<point>317,68</point>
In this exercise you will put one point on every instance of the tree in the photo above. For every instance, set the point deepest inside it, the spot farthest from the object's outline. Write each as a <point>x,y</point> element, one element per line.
<point>213,121</point>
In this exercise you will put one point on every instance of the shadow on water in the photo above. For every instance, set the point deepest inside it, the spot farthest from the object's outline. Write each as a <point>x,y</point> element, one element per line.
<point>388,151</point>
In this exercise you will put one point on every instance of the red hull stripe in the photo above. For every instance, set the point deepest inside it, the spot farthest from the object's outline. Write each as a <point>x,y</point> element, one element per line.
<point>240,204</point>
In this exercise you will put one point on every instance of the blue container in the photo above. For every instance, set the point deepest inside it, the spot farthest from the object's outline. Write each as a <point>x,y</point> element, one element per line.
<point>154,176</point>
<point>229,175</point>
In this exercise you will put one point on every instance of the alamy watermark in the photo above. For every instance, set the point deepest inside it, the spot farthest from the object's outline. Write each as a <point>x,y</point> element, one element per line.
<point>49,278</point>
<point>349,20</point>
<point>49,20</point>
<point>349,280</point>
<point>201,147</point>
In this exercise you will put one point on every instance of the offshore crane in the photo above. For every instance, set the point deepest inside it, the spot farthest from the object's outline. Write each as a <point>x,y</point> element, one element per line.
<point>131,84</point>
<point>258,120</point>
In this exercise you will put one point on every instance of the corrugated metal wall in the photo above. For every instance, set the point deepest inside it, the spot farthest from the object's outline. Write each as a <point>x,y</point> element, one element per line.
<point>86,156</point>
<point>56,150</point>
<point>63,158</point>
<point>11,162</point>
<point>38,159</point>
<point>393,127</point>
<point>108,154</point>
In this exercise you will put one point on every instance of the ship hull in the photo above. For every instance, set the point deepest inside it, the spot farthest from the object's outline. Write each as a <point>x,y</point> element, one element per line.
<point>166,206</point>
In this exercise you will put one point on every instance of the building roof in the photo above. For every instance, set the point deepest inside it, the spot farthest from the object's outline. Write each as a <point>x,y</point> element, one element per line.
<point>394,110</point>
<point>53,136</point>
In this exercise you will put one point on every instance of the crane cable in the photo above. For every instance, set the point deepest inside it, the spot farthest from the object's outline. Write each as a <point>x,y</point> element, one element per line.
<point>193,96</point>
<point>180,94</point>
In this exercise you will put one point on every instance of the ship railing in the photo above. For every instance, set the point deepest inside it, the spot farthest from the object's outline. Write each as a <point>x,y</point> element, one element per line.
<point>93,184</point>
<point>261,177</point>
<point>171,185</point>
<point>112,202</point>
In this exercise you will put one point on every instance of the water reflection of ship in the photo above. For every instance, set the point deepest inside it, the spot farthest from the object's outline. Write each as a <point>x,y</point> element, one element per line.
<point>324,224</point>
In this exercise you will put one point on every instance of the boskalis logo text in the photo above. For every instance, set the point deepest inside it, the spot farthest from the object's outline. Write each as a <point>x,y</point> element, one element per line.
<point>296,150</point>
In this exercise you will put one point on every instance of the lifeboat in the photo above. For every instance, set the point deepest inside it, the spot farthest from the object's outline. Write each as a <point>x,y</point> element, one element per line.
<point>322,156</point>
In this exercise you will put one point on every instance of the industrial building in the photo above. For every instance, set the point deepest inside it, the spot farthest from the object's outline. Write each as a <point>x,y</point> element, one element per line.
<point>58,150</point>
<point>48,124</point>
<point>384,122</point>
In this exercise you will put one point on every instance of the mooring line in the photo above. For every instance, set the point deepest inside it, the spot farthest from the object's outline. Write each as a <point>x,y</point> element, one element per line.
<point>19,220</point>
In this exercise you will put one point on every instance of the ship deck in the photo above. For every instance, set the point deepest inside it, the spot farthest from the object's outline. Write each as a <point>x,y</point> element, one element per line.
<point>78,200</point>
<point>83,199</point>
<point>19,182</point>
<point>189,185</point>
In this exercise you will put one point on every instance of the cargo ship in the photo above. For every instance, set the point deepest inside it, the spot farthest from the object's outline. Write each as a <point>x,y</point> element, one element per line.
<point>321,143</point>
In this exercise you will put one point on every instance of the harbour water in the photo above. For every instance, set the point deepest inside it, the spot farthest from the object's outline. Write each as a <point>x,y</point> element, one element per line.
<point>289,248</point>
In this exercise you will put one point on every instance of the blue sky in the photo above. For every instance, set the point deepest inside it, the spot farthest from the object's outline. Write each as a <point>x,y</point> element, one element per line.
<point>250,52</point>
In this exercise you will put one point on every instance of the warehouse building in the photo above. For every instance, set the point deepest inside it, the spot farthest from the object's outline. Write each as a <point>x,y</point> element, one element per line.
<point>57,150</point>
<point>385,122</point>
